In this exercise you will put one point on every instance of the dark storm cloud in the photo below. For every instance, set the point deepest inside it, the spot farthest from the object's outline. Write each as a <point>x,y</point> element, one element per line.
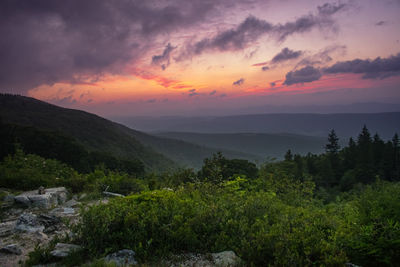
<point>265,68</point>
<point>46,41</point>
<point>252,28</point>
<point>165,58</point>
<point>378,68</point>
<point>286,54</point>
<point>272,84</point>
<point>306,74</point>
<point>238,82</point>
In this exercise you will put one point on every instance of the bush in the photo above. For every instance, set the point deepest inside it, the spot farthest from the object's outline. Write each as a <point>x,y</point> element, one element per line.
<point>25,171</point>
<point>257,225</point>
<point>375,233</point>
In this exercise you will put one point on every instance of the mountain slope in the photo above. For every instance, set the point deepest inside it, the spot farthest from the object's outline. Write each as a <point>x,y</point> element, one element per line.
<point>260,144</point>
<point>93,132</point>
<point>98,134</point>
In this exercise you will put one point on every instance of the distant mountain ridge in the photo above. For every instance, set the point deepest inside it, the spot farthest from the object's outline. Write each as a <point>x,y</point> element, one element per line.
<point>345,124</point>
<point>261,144</point>
<point>98,134</point>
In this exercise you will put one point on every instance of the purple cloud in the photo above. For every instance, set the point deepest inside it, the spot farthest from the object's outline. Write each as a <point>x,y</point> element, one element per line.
<point>252,28</point>
<point>165,58</point>
<point>44,42</point>
<point>378,68</point>
<point>306,74</point>
<point>286,54</point>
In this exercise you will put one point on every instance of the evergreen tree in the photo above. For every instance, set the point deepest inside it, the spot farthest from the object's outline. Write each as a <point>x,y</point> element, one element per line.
<point>289,155</point>
<point>365,170</point>
<point>332,150</point>
<point>378,149</point>
<point>396,157</point>
<point>333,143</point>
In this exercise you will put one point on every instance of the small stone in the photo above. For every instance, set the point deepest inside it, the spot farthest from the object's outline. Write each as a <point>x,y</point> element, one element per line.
<point>62,250</point>
<point>41,190</point>
<point>11,249</point>
<point>123,257</point>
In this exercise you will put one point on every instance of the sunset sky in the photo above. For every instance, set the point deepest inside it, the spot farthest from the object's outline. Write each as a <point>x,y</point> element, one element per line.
<point>190,57</point>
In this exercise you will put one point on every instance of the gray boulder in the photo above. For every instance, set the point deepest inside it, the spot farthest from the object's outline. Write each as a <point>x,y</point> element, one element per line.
<point>62,250</point>
<point>7,228</point>
<point>221,259</point>
<point>123,257</point>
<point>30,223</point>
<point>11,249</point>
<point>71,203</point>
<point>23,200</point>
<point>46,199</point>
<point>225,259</point>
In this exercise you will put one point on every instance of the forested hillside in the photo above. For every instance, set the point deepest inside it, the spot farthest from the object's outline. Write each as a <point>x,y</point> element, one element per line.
<point>100,135</point>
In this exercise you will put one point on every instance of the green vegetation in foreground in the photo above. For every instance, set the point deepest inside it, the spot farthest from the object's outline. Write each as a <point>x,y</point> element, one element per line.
<point>298,211</point>
<point>252,218</point>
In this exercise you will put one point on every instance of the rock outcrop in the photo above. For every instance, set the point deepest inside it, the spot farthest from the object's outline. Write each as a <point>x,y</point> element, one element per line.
<point>62,250</point>
<point>221,259</point>
<point>121,258</point>
<point>42,198</point>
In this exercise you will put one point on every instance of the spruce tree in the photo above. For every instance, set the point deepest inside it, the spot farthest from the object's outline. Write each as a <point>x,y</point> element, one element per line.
<point>332,150</point>
<point>289,155</point>
<point>333,143</point>
<point>365,166</point>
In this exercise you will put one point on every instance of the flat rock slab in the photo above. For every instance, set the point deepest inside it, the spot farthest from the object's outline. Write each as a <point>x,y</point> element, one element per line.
<point>11,249</point>
<point>123,257</point>
<point>7,228</point>
<point>71,203</point>
<point>221,259</point>
<point>51,197</point>
<point>30,223</point>
<point>62,250</point>
<point>225,259</point>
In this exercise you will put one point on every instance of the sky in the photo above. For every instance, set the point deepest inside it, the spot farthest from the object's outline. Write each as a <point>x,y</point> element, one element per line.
<point>194,57</point>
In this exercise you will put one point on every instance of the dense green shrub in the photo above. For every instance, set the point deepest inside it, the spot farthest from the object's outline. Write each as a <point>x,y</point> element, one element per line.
<point>256,224</point>
<point>25,171</point>
<point>375,232</point>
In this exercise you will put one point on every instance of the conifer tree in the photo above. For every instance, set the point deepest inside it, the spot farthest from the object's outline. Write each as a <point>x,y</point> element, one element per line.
<point>333,143</point>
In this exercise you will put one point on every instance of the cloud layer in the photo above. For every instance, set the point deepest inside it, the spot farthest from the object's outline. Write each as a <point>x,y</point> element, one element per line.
<point>46,41</point>
<point>286,54</point>
<point>379,68</point>
<point>252,28</point>
<point>303,75</point>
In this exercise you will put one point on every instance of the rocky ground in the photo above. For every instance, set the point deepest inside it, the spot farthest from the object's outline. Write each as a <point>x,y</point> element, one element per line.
<point>34,218</point>
<point>30,219</point>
